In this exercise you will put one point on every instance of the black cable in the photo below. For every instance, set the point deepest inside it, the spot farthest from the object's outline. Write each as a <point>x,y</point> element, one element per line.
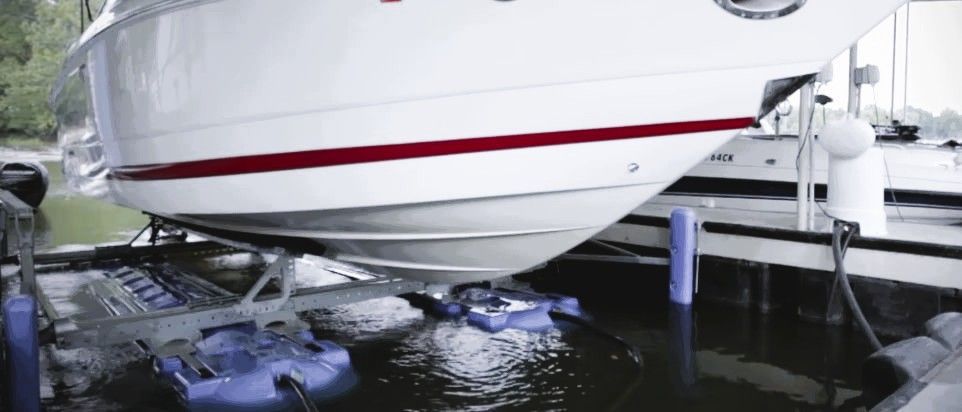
<point>888,175</point>
<point>831,297</point>
<point>804,136</point>
<point>90,16</point>
<point>804,142</point>
<point>301,393</point>
<point>633,352</point>
<point>841,235</point>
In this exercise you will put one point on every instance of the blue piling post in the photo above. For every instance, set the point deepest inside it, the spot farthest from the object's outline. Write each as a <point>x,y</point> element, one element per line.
<point>682,365</point>
<point>23,353</point>
<point>684,241</point>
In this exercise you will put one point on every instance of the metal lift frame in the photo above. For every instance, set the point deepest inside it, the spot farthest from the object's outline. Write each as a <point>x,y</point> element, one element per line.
<point>15,212</point>
<point>159,328</point>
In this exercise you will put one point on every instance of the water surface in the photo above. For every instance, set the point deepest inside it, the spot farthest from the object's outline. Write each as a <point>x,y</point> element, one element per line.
<point>716,358</point>
<point>66,218</point>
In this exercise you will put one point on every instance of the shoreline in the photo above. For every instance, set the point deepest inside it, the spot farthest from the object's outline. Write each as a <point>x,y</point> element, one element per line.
<point>8,154</point>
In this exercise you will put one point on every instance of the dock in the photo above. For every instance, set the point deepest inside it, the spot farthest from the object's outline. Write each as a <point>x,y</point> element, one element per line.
<point>770,264</point>
<point>922,373</point>
<point>937,391</point>
<point>917,253</point>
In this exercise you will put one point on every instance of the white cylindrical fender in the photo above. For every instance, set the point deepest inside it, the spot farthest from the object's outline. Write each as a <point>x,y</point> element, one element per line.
<point>856,175</point>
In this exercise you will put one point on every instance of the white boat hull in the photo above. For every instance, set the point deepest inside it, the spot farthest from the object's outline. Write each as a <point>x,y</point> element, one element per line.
<point>470,240</point>
<point>493,213</point>
<point>923,183</point>
<point>442,141</point>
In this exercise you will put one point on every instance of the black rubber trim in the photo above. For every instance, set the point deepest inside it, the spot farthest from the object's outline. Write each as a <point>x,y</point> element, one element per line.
<point>818,238</point>
<point>779,190</point>
<point>642,220</point>
<point>858,242</point>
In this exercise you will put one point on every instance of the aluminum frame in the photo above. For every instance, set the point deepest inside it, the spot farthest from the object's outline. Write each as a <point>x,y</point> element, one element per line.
<point>173,330</point>
<point>158,328</point>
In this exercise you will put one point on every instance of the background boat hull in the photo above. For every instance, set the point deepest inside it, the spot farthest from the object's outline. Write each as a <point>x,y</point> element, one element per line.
<point>923,183</point>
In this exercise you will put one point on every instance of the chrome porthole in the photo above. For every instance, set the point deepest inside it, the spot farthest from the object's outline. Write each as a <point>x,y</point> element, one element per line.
<point>761,9</point>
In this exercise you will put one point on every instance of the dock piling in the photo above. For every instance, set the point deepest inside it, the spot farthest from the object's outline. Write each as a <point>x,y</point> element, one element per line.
<point>683,268</point>
<point>23,353</point>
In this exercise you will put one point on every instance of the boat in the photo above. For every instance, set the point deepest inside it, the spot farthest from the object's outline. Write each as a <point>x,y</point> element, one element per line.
<point>440,141</point>
<point>756,172</point>
<point>27,180</point>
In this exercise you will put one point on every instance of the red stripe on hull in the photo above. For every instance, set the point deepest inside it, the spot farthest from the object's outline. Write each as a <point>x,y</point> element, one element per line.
<point>365,154</point>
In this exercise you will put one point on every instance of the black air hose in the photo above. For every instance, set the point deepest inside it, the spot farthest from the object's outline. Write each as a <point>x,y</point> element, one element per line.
<point>299,390</point>
<point>842,233</point>
<point>633,352</point>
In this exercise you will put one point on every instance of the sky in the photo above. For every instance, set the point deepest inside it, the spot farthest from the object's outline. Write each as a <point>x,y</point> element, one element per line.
<point>935,59</point>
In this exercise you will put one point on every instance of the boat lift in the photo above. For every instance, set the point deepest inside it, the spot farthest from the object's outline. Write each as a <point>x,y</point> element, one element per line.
<point>180,322</point>
<point>194,329</point>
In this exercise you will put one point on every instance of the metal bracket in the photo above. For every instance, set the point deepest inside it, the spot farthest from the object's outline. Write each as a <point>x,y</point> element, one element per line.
<point>174,330</point>
<point>23,224</point>
<point>180,326</point>
<point>281,269</point>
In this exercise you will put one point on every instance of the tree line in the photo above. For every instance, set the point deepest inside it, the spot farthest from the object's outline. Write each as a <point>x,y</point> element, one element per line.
<point>34,37</point>
<point>945,125</point>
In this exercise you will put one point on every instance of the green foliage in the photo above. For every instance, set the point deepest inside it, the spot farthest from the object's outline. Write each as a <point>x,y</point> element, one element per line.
<point>24,143</point>
<point>25,83</point>
<point>13,38</point>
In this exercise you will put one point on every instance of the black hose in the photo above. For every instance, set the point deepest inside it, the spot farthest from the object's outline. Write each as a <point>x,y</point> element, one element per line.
<point>301,393</point>
<point>842,233</point>
<point>834,295</point>
<point>632,351</point>
<point>90,15</point>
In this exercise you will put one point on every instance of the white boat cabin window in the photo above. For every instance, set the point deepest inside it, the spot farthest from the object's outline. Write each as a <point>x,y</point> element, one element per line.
<point>761,9</point>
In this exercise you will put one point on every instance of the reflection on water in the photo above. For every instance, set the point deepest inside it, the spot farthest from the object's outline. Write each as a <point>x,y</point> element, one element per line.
<point>711,358</point>
<point>66,218</point>
<point>412,362</point>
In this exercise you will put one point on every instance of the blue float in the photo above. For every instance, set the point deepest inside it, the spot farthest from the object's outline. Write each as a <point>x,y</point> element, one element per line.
<point>494,310</point>
<point>683,267</point>
<point>245,370</point>
<point>23,353</point>
<point>237,367</point>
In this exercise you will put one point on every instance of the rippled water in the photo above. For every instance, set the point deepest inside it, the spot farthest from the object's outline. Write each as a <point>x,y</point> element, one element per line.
<point>723,358</point>
<point>411,362</point>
